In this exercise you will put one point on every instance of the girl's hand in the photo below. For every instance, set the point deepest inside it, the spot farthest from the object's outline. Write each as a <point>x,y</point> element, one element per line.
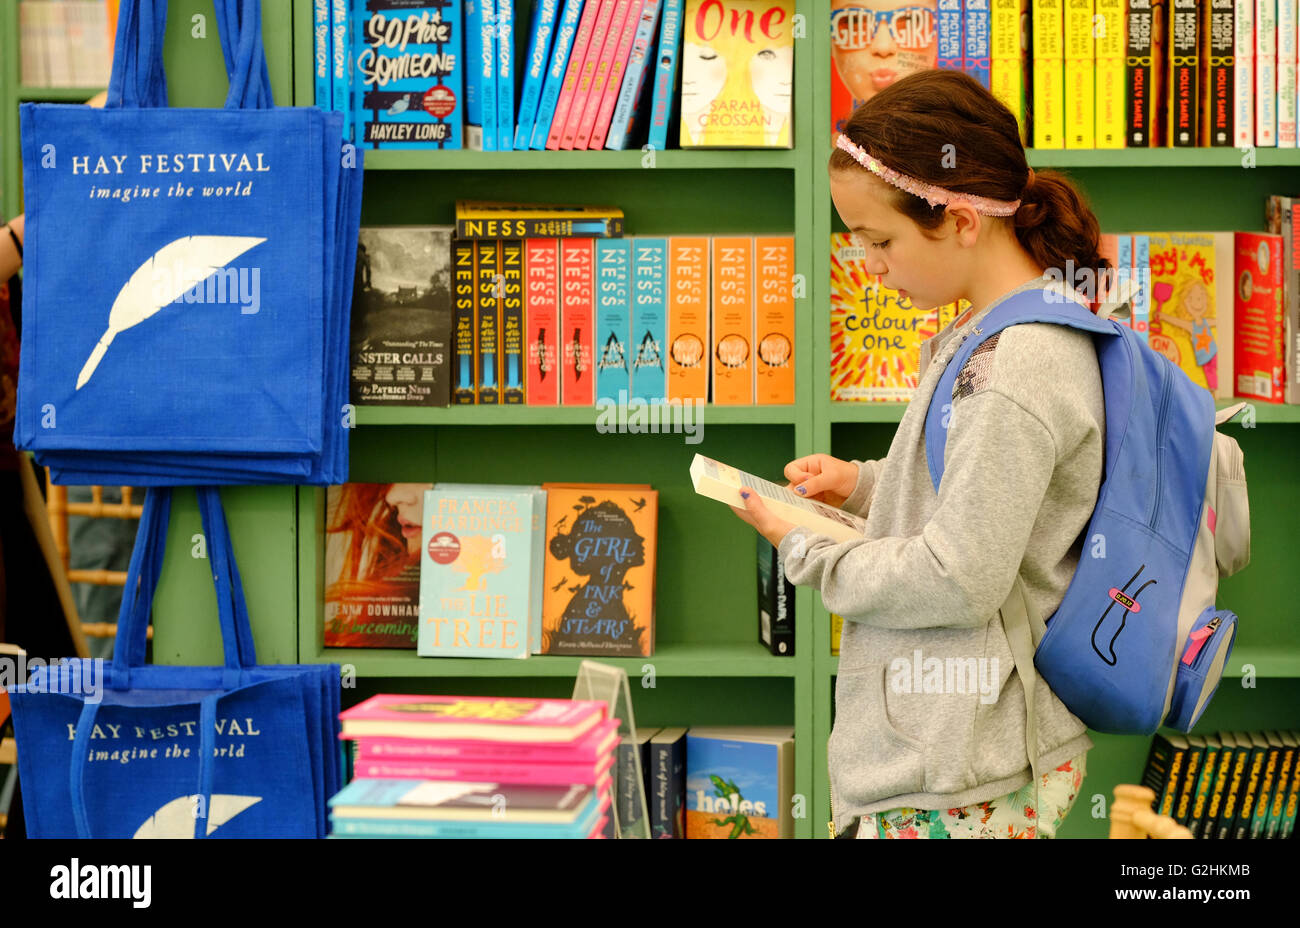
<point>822,478</point>
<point>763,519</point>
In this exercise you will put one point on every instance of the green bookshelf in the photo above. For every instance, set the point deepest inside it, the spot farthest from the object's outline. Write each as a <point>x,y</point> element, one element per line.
<point>708,667</point>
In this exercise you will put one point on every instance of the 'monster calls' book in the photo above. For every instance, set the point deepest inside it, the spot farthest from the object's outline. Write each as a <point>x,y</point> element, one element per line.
<point>737,74</point>
<point>475,569</point>
<point>600,571</point>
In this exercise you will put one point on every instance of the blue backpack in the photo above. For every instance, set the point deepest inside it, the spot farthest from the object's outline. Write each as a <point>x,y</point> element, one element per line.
<point>1137,641</point>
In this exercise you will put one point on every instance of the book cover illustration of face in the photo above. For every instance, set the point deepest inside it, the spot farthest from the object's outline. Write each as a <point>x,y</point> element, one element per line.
<point>875,43</point>
<point>598,545</point>
<point>737,73</point>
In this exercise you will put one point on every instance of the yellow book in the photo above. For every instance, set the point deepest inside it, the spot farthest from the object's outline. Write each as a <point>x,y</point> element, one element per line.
<point>837,628</point>
<point>1110,21</point>
<point>1080,92</point>
<point>1007,35</point>
<point>1191,305</point>
<point>1049,73</point>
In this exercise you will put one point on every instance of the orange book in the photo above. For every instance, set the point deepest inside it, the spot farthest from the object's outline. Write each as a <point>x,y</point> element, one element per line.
<point>774,320</point>
<point>598,597</point>
<point>733,320</point>
<point>688,319</point>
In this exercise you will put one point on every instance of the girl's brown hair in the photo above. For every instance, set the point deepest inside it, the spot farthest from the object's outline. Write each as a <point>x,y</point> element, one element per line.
<point>945,128</point>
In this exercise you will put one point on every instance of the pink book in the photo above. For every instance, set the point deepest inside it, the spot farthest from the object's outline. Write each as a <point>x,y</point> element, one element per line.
<point>601,740</point>
<point>599,829</point>
<point>621,58</point>
<point>594,50</point>
<point>479,718</point>
<point>526,773</point>
<point>609,71</point>
<point>573,71</point>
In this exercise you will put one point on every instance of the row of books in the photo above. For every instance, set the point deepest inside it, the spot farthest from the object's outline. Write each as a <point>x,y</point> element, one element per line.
<point>1227,785</point>
<point>491,570</point>
<point>1222,306</point>
<point>66,43</point>
<point>597,74</point>
<point>477,767</point>
<point>439,319</point>
<point>1098,73</point>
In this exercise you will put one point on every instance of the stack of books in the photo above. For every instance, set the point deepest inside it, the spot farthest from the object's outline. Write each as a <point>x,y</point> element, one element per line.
<point>477,767</point>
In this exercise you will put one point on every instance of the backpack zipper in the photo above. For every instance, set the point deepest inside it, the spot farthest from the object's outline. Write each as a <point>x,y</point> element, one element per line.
<point>1161,424</point>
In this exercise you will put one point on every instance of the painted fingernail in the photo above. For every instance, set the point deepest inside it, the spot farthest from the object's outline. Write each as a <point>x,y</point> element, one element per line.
<point>744,494</point>
<point>803,491</point>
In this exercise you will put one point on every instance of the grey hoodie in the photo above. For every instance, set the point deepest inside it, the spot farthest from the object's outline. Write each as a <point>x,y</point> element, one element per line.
<point>929,710</point>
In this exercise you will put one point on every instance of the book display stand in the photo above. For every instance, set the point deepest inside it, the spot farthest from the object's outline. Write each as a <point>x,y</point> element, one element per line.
<point>609,685</point>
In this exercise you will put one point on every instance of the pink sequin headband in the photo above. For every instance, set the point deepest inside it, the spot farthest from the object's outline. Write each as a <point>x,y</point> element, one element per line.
<point>931,193</point>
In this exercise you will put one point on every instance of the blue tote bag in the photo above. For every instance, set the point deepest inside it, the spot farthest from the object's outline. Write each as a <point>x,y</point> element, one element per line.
<point>226,308</point>
<point>158,751</point>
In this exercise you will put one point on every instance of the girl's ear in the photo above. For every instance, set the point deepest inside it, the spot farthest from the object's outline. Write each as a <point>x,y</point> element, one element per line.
<point>966,222</point>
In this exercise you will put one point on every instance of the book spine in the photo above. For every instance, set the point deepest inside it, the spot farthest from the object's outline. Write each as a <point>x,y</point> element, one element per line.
<point>1109,78</point>
<point>540,227</point>
<point>662,813</point>
<point>415,828</point>
<point>1204,782</point>
<point>1286,73</point>
<point>378,748</point>
<point>618,67</point>
<point>512,322</point>
<point>625,108</point>
<point>1265,73</point>
<point>464,337</point>
<point>649,319</point>
<point>1008,57</point>
<point>1232,793</point>
<point>1243,73</point>
<point>975,38</point>
<point>1139,102</point>
<point>948,23</point>
<point>613,320</point>
<point>582,43</point>
<point>689,333</point>
<point>774,321</point>
<point>733,320</point>
<point>465,771</point>
<point>1142,273</point>
<point>577,259</point>
<point>542,272</point>
<point>537,571</point>
<point>1217,47</point>
<point>665,88</point>
<point>625,781</point>
<point>473,19</point>
<point>505,74</point>
<point>489,66</point>
<point>487,321</point>
<point>1182,806</point>
<point>586,77</point>
<point>783,617</point>
<point>1287,209</point>
<point>1183,64</point>
<point>321,47</point>
<point>1049,77</point>
<point>1251,781</point>
<point>342,58</point>
<point>1277,806</point>
<point>565,36</point>
<point>1259,339</point>
<point>1286,826</point>
<point>1218,791</point>
<point>1080,94</point>
<point>1267,786</point>
<point>601,77</point>
<point>539,48</point>
<point>1159,766</point>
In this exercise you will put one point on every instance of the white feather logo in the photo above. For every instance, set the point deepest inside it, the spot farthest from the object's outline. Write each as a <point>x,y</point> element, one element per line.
<point>187,261</point>
<point>175,819</point>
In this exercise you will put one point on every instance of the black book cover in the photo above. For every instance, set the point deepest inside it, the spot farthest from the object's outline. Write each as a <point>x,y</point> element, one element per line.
<point>1220,785</point>
<point>1138,76</point>
<point>1184,55</point>
<point>1252,781</point>
<point>487,321</point>
<point>464,340</point>
<point>1236,786</point>
<point>1217,63</point>
<point>775,601</point>
<point>512,322</point>
<point>401,316</point>
<point>1191,774</point>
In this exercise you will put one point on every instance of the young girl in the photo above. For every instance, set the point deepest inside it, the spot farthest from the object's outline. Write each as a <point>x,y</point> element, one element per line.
<point>931,177</point>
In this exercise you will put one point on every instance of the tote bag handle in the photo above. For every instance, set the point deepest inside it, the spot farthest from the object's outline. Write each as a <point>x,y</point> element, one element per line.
<point>138,79</point>
<point>142,581</point>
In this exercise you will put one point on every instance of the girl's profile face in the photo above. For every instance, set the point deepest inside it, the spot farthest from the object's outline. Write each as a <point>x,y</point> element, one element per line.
<point>408,500</point>
<point>876,42</point>
<point>904,259</point>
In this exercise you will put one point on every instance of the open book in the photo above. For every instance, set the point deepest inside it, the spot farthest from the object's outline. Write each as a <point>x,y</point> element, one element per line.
<point>723,482</point>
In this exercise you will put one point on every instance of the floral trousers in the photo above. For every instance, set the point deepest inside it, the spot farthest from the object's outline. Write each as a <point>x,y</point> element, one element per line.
<point>1010,816</point>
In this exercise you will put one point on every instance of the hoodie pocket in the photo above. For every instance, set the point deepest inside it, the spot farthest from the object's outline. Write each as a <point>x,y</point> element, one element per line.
<point>870,759</point>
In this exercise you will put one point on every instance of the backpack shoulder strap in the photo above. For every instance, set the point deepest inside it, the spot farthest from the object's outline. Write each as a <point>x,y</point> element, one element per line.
<point>1039,305</point>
